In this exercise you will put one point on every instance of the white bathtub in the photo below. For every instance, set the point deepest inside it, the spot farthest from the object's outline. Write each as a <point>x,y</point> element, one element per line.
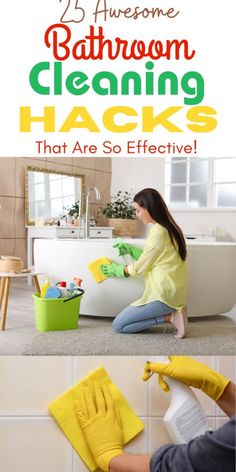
<point>212,274</point>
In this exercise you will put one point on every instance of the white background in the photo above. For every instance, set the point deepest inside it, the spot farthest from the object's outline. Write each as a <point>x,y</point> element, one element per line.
<point>207,25</point>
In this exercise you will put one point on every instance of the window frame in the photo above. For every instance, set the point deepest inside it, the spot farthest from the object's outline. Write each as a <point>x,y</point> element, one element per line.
<point>211,185</point>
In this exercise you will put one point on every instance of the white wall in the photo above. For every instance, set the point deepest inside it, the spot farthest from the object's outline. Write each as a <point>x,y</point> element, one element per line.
<point>218,222</point>
<point>138,173</point>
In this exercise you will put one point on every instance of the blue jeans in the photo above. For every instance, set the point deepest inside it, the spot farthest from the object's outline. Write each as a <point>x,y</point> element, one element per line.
<point>137,318</point>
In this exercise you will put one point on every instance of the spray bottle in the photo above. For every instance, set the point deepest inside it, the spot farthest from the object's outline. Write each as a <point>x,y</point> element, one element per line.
<point>185,418</point>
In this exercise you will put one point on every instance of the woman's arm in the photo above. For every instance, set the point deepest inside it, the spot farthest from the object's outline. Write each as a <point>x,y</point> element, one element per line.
<point>227,401</point>
<point>130,463</point>
<point>152,250</point>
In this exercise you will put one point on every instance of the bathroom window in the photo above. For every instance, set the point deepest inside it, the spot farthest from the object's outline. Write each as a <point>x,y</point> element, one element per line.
<point>187,182</point>
<point>225,182</point>
<point>200,182</point>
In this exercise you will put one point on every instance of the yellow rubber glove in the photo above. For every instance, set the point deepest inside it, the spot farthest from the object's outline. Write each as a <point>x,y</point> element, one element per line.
<point>191,372</point>
<point>100,423</point>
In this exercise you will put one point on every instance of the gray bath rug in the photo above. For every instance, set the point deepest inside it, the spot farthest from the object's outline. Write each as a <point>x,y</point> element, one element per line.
<point>95,337</point>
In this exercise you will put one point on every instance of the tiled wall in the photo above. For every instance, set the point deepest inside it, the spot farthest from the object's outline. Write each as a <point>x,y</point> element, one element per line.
<point>12,196</point>
<point>30,440</point>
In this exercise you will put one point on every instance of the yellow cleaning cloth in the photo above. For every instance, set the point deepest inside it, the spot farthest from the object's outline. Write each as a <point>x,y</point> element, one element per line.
<point>63,410</point>
<point>94,267</point>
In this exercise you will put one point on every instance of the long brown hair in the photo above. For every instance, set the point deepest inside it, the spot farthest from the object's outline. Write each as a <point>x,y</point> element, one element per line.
<point>152,201</point>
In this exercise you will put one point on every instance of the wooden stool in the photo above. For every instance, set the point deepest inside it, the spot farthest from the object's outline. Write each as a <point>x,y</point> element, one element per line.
<point>5,278</point>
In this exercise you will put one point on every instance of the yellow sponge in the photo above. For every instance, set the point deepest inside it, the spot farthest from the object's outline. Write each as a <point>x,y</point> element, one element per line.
<point>63,410</point>
<point>94,267</point>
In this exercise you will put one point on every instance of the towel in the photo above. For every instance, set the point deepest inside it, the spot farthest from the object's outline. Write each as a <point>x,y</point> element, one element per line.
<point>63,410</point>
<point>94,267</point>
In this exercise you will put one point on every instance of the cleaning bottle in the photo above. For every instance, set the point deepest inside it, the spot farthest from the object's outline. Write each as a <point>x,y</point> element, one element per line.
<point>44,288</point>
<point>185,418</point>
<point>63,290</point>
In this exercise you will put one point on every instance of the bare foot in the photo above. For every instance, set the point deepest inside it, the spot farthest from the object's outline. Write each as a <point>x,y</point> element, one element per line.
<point>179,320</point>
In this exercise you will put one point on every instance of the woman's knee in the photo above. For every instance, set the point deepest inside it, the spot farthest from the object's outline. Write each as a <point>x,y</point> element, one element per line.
<point>117,326</point>
<point>120,321</point>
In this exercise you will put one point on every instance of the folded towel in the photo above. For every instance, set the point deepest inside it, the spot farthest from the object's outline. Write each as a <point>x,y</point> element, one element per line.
<point>63,410</point>
<point>94,267</point>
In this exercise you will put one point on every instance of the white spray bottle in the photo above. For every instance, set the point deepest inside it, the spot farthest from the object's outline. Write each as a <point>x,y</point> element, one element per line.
<point>185,418</point>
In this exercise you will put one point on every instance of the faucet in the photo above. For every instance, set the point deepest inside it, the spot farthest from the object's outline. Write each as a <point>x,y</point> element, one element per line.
<point>87,213</point>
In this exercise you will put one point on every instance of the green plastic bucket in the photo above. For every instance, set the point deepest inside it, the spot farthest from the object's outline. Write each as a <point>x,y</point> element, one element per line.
<point>56,314</point>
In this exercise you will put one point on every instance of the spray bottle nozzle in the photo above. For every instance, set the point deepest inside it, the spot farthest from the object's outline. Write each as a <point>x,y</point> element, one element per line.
<point>77,281</point>
<point>147,372</point>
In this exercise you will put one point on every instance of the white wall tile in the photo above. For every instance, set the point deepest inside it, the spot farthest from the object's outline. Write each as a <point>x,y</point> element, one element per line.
<point>125,372</point>
<point>221,421</point>
<point>226,366</point>
<point>159,400</point>
<point>78,464</point>
<point>139,445</point>
<point>212,423</point>
<point>33,444</point>
<point>206,402</point>
<point>158,435</point>
<point>28,384</point>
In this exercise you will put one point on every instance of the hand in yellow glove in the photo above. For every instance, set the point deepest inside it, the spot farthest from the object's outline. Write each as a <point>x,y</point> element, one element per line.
<point>100,424</point>
<point>191,372</point>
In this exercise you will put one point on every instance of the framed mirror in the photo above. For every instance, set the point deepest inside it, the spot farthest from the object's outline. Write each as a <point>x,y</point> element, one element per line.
<point>49,192</point>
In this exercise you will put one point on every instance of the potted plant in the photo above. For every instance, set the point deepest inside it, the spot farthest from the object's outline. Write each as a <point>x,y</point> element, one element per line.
<point>121,215</point>
<point>73,211</point>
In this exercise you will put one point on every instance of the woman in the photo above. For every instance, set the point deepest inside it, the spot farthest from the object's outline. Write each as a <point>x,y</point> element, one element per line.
<point>163,265</point>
